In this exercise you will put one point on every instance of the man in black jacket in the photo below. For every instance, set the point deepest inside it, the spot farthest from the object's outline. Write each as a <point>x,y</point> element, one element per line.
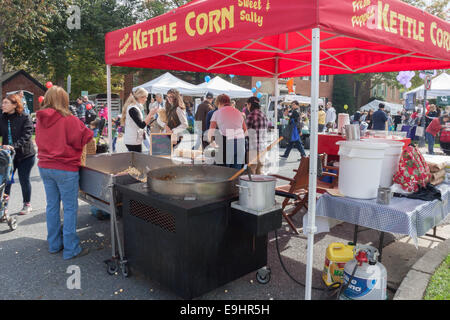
<point>294,139</point>
<point>200,116</point>
<point>379,118</point>
<point>16,130</point>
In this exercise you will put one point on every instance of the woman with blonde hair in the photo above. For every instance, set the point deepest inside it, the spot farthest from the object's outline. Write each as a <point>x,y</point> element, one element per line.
<point>16,129</point>
<point>60,138</point>
<point>173,117</point>
<point>133,119</point>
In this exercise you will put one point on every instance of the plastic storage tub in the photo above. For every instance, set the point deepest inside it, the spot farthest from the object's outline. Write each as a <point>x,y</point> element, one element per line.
<point>360,168</point>
<point>390,162</point>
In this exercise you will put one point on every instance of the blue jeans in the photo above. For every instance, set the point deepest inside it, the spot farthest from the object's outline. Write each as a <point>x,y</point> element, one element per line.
<point>297,144</point>
<point>62,186</point>
<point>114,144</point>
<point>24,168</point>
<point>430,140</point>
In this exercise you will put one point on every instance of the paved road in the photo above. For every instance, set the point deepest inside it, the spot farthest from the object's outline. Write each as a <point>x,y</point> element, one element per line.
<point>30,272</point>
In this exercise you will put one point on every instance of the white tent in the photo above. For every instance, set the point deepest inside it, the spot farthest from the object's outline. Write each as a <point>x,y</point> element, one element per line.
<point>440,86</point>
<point>167,81</point>
<point>299,98</point>
<point>373,105</point>
<point>218,86</point>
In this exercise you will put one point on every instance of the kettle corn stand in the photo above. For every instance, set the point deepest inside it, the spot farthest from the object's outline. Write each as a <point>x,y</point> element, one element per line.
<point>287,39</point>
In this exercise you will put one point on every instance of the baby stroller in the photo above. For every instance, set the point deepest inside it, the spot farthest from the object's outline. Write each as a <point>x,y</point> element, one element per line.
<point>6,165</point>
<point>444,140</point>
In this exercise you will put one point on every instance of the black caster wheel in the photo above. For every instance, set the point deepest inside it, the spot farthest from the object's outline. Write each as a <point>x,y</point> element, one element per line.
<point>112,267</point>
<point>12,223</point>
<point>263,275</point>
<point>125,270</point>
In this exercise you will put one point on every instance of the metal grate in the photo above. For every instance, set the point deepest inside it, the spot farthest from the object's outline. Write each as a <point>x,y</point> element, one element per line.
<point>159,218</point>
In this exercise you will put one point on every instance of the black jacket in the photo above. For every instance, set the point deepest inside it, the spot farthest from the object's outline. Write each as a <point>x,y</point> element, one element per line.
<point>21,131</point>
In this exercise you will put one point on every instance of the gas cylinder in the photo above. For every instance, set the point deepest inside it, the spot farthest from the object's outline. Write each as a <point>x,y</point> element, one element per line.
<point>369,281</point>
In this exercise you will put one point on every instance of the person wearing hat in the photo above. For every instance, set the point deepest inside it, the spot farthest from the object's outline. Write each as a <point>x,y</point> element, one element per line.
<point>379,118</point>
<point>200,118</point>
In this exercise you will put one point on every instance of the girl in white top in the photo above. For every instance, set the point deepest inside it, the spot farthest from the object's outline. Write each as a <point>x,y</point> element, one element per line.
<point>133,120</point>
<point>173,116</point>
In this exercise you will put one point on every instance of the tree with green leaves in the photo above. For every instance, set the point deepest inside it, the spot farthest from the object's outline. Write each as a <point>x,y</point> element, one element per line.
<point>23,18</point>
<point>438,8</point>
<point>343,93</point>
<point>76,51</point>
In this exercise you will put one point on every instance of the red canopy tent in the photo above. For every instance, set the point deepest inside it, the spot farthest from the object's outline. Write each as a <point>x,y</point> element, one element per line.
<point>286,38</point>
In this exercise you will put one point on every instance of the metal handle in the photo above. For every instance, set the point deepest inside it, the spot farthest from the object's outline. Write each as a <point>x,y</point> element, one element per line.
<point>238,185</point>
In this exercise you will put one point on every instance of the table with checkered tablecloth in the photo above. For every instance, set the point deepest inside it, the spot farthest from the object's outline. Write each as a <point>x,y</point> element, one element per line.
<point>402,216</point>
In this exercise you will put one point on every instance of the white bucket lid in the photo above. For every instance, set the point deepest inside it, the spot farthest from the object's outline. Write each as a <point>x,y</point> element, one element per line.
<point>362,144</point>
<point>391,142</point>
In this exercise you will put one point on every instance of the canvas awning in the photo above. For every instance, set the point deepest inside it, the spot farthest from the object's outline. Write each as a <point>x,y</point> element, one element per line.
<point>440,86</point>
<point>217,86</point>
<point>167,81</point>
<point>393,108</point>
<point>274,38</point>
<point>300,99</point>
<point>286,38</point>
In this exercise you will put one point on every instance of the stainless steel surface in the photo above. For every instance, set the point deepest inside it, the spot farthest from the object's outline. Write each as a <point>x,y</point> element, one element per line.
<point>352,132</point>
<point>258,193</point>
<point>103,170</point>
<point>199,182</point>
<point>236,205</point>
<point>384,195</point>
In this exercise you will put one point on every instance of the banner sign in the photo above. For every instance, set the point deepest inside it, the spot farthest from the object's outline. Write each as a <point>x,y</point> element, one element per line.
<point>410,101</point>
<point>443,101</point>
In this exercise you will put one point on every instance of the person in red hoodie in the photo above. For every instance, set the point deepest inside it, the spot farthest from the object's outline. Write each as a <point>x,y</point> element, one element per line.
<point>434,128</point>
<point>60,138</point>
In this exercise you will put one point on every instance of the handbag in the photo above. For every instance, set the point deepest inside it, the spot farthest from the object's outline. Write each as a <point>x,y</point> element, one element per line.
<point>413,171</point>
<point>294,135</point>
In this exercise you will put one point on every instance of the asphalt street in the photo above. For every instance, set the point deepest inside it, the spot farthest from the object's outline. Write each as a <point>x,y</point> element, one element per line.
<point>30,272</point>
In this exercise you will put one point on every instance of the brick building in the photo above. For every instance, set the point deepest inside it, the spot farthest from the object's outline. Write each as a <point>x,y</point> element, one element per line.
<point>22,80</point>
<point>302,86</point>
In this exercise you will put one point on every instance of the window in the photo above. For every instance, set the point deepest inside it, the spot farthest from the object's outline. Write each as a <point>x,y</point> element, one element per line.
<point>323,78</point>
<point>305,78</point>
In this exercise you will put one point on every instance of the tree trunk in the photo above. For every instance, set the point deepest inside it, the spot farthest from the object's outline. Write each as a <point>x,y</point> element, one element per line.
<point>1,70</point>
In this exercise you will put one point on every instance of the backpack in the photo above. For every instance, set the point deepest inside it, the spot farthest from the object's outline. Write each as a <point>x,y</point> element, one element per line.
<point>90,116</point>
<point>413,171</point>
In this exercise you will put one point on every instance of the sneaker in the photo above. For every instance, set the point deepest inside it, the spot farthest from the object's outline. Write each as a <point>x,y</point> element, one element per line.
<point>26,209</point>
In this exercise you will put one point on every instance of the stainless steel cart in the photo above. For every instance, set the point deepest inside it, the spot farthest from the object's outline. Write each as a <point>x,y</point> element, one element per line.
<point>98,179</point>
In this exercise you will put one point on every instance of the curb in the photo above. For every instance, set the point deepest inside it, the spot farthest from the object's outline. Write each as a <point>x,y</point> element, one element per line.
<point>416,281</point>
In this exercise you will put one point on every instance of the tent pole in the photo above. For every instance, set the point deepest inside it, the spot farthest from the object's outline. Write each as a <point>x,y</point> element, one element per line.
<point>108,101</point>
<point>311,229</point>
<point>275,110</point>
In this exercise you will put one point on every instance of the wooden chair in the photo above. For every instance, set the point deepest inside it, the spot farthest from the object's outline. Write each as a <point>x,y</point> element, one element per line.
<point>296,192</point>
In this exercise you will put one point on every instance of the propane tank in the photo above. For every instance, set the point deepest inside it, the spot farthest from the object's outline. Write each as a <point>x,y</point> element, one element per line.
<point>370,279</point>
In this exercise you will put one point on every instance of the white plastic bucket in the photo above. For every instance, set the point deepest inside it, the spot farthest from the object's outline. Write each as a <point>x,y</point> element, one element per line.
<point>390,161</point>
<point>360,168</point>
<point>343,120</point>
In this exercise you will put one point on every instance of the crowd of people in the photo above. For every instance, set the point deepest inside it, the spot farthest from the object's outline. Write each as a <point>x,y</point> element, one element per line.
<point>62,131</point>
<point>383,120</point>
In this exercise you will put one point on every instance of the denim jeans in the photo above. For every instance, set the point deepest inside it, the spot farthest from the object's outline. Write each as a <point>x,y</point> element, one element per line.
<point>298,144</point>
<point>24,168</point>
<point>114,144</point>
<point>430,140</point>
<point>62,186</point>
